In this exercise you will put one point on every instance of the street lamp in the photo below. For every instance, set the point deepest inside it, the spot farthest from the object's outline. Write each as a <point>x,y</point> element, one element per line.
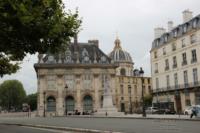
<point>130,109</point>
<point>44,94</point>
<point>143,104</point>
<point>65,88</point>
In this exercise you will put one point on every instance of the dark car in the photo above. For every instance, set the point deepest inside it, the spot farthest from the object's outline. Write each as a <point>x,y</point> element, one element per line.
<point>165,111</point>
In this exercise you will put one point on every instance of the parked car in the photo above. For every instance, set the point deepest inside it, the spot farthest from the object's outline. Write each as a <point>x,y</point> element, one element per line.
<point>170,111</point>
<point>151,110</point>
<point>188,109</point>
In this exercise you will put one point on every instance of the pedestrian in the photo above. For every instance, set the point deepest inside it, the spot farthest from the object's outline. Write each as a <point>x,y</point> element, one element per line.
<point>194,113</point>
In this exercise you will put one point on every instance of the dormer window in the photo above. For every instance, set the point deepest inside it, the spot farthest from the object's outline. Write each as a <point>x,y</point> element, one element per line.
<point>185,29</point>
<point>166,38</point>
<point>175,33</point>
<point>194,24</point>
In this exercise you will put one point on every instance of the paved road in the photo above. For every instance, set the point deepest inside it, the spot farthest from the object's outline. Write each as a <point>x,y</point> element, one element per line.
<point>20,129</point>
<point>114,124</point>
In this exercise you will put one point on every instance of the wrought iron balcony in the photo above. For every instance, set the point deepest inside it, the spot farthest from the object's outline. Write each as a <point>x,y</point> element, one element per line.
<point>156,71</point>
<point>166,68</point>
<point>177,87</point>
<point>194,60</point>
<point>184,63</point>
<point>174,65</point>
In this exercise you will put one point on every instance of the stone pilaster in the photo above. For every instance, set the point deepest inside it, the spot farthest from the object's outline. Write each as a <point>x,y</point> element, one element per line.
<point>113,88</point>
<point>60,103</point>
<point>78,92</point>
<point>97,84</point>
<point>41,88</point>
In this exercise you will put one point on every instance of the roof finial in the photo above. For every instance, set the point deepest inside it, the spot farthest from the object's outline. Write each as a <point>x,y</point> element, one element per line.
<point>117,36</point>
<point>117,42</point>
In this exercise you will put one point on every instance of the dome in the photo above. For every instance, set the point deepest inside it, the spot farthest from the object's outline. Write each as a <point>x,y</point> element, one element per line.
<point>118,54</point>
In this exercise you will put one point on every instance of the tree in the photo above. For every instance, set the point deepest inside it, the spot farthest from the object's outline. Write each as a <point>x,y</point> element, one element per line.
<point>12,94</point>
<point>148,100</point>
<point>31,26</point>
<point>32,101</point>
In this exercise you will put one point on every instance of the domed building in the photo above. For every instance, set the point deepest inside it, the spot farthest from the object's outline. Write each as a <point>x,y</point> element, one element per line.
<point>73,81</point>
<point>122,59</point>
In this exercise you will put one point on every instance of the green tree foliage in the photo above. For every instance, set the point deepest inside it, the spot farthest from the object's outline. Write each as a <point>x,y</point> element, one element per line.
<point>12,94</point>
<point>148,100</point>
<point>32,101</point>
<point>30,26</point>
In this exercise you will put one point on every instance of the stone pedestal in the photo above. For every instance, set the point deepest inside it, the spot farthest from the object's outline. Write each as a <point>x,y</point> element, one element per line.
<point>108,108</point>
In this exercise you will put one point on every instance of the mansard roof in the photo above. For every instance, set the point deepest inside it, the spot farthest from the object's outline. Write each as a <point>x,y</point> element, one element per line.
<point>177,32</point>
<point>82,54</point>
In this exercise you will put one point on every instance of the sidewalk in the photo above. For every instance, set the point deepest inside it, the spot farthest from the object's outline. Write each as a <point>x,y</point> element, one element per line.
<point>128,116</point>
<point>148,116</point>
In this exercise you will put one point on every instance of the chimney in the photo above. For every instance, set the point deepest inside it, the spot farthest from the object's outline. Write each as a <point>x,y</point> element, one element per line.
<point>170,25</point>
<point>187,15</point>
<point>94,42</point>
<point>75,42</point>
<point>75,39</point>
<point>158,32</point>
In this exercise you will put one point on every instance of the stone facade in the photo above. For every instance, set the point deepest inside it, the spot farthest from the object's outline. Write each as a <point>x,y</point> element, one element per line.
<point>175,65</point>
<point>72,81</point>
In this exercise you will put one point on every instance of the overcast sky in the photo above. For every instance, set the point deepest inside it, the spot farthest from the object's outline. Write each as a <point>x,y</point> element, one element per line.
<point>133,20</point>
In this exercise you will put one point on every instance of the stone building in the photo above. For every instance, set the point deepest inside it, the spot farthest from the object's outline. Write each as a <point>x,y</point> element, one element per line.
<point>175,64</point>
<point>74,80</point>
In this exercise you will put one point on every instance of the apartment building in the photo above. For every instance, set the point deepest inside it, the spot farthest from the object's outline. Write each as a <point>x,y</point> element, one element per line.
<point>175,64</point>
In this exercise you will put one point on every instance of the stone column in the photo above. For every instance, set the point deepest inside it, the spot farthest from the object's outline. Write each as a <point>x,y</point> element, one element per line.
<point>113,88</point>
<point>97,84</point>
<point>59,102</point>
<point>78,93</point>
<point>41,89</point>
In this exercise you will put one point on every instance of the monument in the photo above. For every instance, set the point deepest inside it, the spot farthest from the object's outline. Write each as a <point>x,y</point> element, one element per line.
<point>108,109</point>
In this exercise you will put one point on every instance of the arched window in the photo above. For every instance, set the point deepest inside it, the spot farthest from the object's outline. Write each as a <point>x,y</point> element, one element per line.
<point>51,104</point>
<point>87,103</point>
<point>123,72</point>
<point>69,103</point>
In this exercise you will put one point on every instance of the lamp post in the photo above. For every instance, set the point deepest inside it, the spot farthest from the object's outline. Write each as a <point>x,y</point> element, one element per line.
<point>66,87</point>
<point>143,104</point>
<point>44,95</point>
<point>130,109</point>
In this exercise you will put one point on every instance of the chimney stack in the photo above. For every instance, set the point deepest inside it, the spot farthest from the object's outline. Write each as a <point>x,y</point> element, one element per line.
<point>158,32</point>
<point>187,15</point>
<point>170,25</point>
<point>94,42</point>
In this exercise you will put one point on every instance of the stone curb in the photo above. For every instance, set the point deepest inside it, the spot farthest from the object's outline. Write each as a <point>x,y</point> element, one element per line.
<point>142,118</point>
<point>82,130</point>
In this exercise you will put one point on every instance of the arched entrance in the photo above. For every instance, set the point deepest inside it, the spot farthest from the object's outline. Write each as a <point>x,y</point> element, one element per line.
<point>69,104</point>
<point>87,103</point>
<point>51,104</point>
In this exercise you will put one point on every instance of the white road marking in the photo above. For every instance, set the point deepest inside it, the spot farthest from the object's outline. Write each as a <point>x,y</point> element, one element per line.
<point>51,130</point>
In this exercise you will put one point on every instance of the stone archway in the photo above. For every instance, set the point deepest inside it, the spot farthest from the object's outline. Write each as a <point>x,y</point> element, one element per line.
<point>87,103</point>
<point>69,104</point>
<point>51,104</point>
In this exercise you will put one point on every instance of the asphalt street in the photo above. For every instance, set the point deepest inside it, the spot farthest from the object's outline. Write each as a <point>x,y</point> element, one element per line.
<point>21,129</point>
<point>114,124</point>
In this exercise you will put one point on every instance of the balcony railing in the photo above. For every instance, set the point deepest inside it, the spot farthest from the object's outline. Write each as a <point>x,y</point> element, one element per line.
<point>184,63</point>
<point>166,68</point>
<point>177,87</point>
<point>174,65</point>
<point>156,71</point>
<point>194,60</point>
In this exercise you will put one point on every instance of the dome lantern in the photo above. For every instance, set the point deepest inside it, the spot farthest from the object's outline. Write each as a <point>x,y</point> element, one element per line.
<point>118,54</point>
